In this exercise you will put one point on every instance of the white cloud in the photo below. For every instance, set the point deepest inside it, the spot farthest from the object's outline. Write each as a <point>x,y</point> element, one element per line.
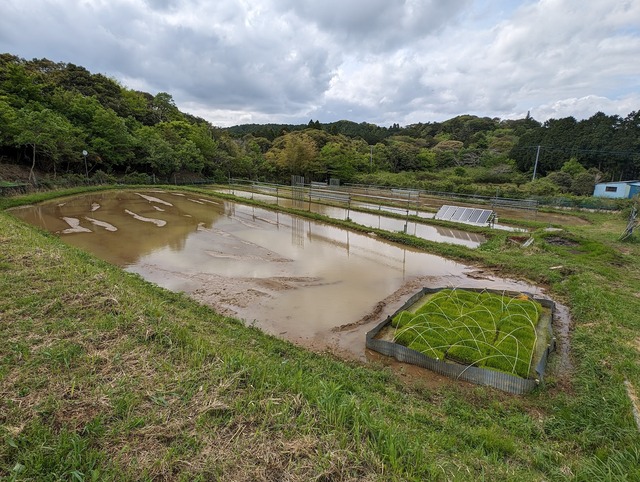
<point>587,106</point>
<point>377,61</point>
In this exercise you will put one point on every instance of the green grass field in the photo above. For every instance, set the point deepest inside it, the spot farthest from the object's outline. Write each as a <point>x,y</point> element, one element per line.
<point>104,376</point>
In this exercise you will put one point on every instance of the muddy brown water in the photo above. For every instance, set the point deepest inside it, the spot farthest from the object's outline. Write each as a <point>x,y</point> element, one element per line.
<point>316,285</point>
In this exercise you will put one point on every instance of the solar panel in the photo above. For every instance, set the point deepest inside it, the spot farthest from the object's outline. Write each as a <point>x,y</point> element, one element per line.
<point>451,210</point>
<point>475,216</point>
<point>441,211</point>
<point>484,217</point>
<point>466,214</point>
<point>463,214</point>
<point>445,212</point>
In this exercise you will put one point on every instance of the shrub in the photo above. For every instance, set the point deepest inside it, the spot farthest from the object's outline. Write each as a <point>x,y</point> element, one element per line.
<point>561,179</point>
<point>101,177</point>
<point>70,180</point>
<point>541,187</point>
<point>137,178</point>
<point>583,184</point>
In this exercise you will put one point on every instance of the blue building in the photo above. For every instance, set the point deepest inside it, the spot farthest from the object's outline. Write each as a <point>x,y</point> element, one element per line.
<point>618,190</point>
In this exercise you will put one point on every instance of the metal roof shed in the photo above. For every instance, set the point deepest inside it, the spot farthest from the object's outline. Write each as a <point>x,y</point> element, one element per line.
<point>617,190</point>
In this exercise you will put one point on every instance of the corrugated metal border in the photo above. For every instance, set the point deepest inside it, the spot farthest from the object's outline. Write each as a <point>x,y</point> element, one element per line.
<point>481,376</point>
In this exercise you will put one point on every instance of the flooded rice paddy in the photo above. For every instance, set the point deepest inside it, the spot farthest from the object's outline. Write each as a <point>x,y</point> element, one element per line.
<point>425,208</point>
<point>380,221</point>
<point>314,284</point>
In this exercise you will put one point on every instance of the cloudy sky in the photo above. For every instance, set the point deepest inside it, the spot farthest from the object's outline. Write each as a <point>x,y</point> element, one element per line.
<point>379,61</point>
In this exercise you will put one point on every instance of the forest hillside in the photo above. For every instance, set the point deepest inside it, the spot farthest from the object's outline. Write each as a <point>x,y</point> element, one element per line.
<point>51,113</point>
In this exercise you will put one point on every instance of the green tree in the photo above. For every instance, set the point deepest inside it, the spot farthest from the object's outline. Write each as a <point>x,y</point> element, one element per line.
<point>572,167</point>
<point>464,128</point>
<point>379,158</point>
<point>336,158</point>
<point>189,156</point>
<point>250,160</point>
<point>136,105</point>
<point>426,159</point>
<point>294,153</point>
<point>403,153</point>
<point>448,153</point>
<point>501,141</point>
<point>78,108</point>
<point>225,161</point>
<point>583,184</point>
<point>111,141</point>
<point>164,108</point>
<point>202,136</point>
<point>17,85</point>
<point>8,125</point>
<point>49,134</point>
<point>155,154</point>
<point>562,179</point>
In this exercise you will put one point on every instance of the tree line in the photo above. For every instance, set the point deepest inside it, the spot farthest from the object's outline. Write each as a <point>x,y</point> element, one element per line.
<point>51,112</point>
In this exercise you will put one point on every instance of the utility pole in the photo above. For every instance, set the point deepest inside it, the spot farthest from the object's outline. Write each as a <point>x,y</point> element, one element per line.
<point>86,169</point>
<point>535,167</point>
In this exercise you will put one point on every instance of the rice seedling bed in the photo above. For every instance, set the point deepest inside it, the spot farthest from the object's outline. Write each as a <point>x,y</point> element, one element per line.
<point>476,335</point>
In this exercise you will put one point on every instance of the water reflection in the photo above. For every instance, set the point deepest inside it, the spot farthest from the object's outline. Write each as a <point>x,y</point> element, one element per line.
<point>379,221</point>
